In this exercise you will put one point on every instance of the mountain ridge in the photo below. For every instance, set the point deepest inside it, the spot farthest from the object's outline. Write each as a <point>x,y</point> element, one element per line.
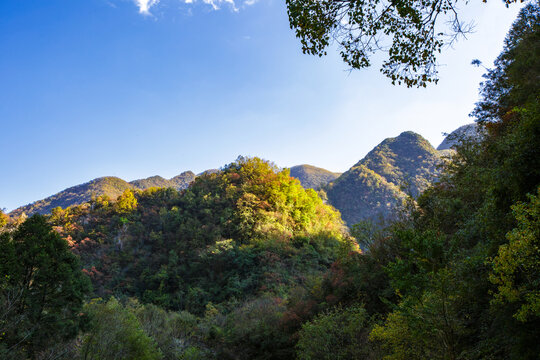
<point>376,181</point>
<point>466,132</point>
<point>379,183</point>
<point>311,176</point>
<point>110,186</point>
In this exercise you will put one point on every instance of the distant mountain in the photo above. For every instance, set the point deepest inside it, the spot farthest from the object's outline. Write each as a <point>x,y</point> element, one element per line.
<point>465,132</point>
<point>313,177</point>
<point>178,182</point>
<point>377,184</point>
<point>152,181</point>
<point>183,180</point>
<point>79,194</point>
<point>209,171</point>
<point>110,186</point>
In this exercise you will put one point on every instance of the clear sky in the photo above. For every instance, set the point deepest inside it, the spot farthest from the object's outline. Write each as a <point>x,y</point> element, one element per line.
<point>135,88</point>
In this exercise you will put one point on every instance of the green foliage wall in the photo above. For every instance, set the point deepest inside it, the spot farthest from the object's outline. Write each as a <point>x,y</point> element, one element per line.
<point>245,230</point>
<point>340,334</point>
<point>42,290</point>
<point>116,334</point>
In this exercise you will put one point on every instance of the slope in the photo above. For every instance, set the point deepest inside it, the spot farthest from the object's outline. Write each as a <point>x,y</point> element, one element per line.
<point>178,182</point>
<point>109,186</point>
<point>379,183</point>
<point>466,132</point>
<point>79,194</point>
<point>312,177</point>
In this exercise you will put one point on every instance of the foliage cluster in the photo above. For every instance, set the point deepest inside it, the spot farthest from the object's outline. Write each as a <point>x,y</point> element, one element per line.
<point>42,290</point>
<point>459,278</point>
<point>410,33</point>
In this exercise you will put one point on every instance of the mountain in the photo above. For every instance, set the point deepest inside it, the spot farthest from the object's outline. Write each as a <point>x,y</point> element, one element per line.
<point>377,184</point>
<point>209,171</point>
<point>465,132</point>
<point>380,182</point>
<point>313,177</point>
<point>183,180</point>
<point>110,186</point>
<point>178,182</point>
<point>152,181</point>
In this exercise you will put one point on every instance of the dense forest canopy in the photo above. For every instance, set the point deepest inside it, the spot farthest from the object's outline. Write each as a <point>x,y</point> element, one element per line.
<point>247,264</point>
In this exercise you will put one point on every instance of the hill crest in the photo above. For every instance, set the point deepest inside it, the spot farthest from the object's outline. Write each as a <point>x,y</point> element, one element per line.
<point>311,176</point>
<point>110,186</point>
<point>380,182</point>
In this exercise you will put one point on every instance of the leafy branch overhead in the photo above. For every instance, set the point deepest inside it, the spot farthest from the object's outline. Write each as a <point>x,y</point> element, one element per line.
<point>410,32</point>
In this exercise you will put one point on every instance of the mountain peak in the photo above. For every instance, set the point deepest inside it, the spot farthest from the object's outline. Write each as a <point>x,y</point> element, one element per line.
<point>311,176</point>
<point>409,134</point>
<point>110,186</point>
<point>397,167</point>
<point>466,132</point>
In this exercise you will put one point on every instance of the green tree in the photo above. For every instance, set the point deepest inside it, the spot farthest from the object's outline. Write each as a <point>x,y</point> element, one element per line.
<point>465,234</point>
<point>126,202</point>
<point>227,223</point>
<point>116,333</point>
<point>516,269</point>
<point>514,79</point>
<point>3,219</point>
<point>43,289</point>
<point>172,331</point>
<point>340,334</point>
<point>411,33</point>
<point>430,326</point>
<point>252,331</point>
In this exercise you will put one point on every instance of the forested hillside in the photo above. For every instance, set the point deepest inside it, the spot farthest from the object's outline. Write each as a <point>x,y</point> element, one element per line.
<point>178,182</point>
<point>313,177</point>
<point>234,245</point>
<point>108,186</point>
<point>245,263</point>
<point>394,169</point>
<point>379,183</point>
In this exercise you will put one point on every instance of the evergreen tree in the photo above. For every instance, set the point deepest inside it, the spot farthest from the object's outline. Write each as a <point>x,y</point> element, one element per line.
<point>43,289</point>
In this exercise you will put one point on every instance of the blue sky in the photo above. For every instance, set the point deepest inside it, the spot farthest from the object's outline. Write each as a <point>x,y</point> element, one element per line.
<point>135,88</point>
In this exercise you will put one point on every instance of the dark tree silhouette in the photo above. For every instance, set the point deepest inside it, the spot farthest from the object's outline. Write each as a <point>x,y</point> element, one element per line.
<point>410,32</point>
<point>43,289</point>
